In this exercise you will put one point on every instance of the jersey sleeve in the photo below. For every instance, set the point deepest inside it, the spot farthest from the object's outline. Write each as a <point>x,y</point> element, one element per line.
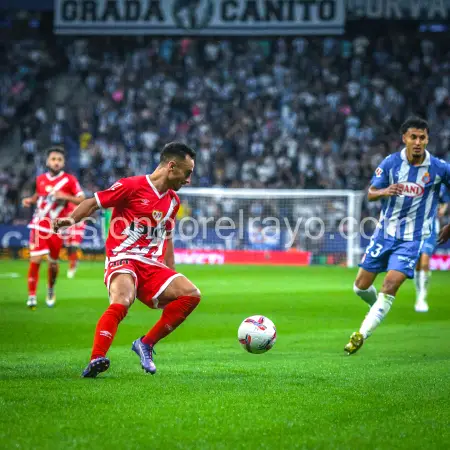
<point>380,178</point>
<point>114,196</point>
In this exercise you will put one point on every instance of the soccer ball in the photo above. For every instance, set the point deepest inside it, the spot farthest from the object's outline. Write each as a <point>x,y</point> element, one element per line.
<point>257,334</point>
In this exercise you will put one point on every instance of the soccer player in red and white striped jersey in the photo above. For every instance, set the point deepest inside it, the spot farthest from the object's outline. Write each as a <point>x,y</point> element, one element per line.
<point>55,189</point>
<point>140,260</point>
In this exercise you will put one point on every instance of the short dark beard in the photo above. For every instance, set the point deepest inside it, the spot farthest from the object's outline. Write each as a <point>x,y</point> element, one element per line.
<point>53,172</point>
<point>416,159</point>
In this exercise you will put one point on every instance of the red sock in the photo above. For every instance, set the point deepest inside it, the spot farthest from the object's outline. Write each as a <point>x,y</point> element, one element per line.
<point>107,329</point>
<point>53,269</point>
<point>173,315</point>
<point>33,277</point>
<point>73,259</point>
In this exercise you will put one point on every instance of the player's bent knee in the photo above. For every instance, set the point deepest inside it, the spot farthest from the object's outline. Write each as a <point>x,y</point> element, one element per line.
<point>180,287</point>
<point>122,289</point>
<point>361,284</point>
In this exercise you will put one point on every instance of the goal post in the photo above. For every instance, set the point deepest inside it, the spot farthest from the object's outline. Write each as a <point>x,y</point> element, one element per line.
<point>274,224</point>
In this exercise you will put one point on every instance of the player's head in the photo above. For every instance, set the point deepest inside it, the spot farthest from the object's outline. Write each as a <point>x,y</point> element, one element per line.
<point>415,135</point>
<point>179,161</point>
<point>55,159</point>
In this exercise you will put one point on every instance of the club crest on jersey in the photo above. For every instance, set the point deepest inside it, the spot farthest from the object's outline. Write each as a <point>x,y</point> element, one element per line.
<point>410,189</point>
<point>378,172</point>
<point>426,178</point>
<point>157,215</point>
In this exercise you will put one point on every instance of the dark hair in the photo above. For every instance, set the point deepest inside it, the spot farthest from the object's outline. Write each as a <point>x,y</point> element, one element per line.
<point>55,149</point>
<point>414,122</point>
<point>176,150</point>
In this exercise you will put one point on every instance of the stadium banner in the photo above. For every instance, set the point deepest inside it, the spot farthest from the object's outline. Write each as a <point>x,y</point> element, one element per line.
<point>255,257</point>
<point>440,262</point>
<point>199,17</point>
<point>398,9</point>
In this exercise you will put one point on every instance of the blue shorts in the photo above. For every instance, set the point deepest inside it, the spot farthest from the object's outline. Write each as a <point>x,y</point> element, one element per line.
<point>430,244</point>
<point>384,254</point>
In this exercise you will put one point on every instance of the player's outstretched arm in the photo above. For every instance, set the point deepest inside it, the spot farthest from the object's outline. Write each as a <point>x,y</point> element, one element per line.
<point>85,209</point>
<point>375,194</point>
<point>444,235</point>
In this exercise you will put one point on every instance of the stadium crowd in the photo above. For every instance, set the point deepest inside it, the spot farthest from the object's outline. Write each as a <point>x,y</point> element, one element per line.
<point>307,113</point>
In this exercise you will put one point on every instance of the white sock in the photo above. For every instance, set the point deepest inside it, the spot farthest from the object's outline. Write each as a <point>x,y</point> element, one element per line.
<point>417,283</point>
<point>368,295</point>
<point>423,280</point>
<point>376,314</point>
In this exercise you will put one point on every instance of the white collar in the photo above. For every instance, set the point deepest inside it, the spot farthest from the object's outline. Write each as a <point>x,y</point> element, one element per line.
<point>55,177</point>
<point>426,161</point>
<point>157,193</point>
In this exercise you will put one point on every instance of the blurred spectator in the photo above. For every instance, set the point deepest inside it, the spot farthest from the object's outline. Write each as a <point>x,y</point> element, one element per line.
<point>299,113</point>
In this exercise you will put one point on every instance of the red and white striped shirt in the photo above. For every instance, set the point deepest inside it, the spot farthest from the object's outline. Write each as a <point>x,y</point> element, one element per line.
<point>142,219</point>
<point>48,207</point>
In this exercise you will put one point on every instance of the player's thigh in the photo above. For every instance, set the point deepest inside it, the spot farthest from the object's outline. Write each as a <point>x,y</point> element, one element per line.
<point>428,249</point>
<point>178,287</point>
<point>425,261</point>
<point>122,288</point>
<point>392,282</point>
<point>163,285</point>
<point>364,279</point>
<point>55,244</point>
<point>38,245</point>
<point>404,257</point>
<point>122,280</point>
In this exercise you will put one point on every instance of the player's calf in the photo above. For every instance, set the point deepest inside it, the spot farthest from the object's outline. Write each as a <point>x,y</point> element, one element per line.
<point>364,287</point>
<point>178,301</point>
<point>33,278</point>
<point>53,269</point>
<point>121,292</point>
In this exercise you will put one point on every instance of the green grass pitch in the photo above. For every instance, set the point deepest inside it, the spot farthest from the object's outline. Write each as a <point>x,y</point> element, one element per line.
<point>208,392</point>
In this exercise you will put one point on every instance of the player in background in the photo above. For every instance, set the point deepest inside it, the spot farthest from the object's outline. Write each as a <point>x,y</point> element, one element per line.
<point>140,260</point>
<point>54,190</point>
<point>73,239</point>
<point>408,183</point>
<point>423,274</point>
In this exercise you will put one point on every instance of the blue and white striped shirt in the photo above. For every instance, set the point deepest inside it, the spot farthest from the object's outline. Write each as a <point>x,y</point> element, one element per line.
<point>410,216</point>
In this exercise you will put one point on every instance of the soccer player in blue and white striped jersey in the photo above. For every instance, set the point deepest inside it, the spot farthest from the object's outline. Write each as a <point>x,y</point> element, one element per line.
<point>408,183</point>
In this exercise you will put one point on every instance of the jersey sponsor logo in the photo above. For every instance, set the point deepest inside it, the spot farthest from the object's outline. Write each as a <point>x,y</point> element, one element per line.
<point>410,189</point>
<point>426,178</point>
<point>157,215</point>
<point>121,262</point>
<point>145,201</point>
<point>378,172</point>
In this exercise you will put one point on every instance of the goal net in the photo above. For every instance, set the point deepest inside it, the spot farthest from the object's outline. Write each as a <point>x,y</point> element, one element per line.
<point>280,225</point>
